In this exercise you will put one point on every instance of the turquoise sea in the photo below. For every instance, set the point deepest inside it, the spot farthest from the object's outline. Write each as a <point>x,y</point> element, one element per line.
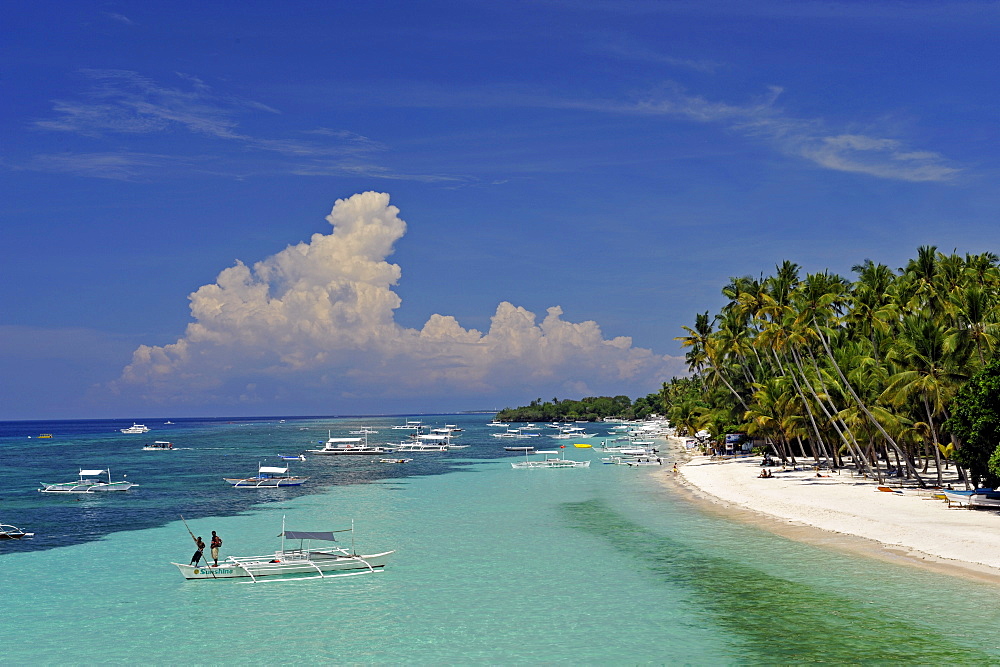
<point>600,565</point>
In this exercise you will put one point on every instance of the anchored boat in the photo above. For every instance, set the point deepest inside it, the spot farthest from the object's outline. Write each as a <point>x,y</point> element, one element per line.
<point>268,477</point>
<point>351,446</point>
<point>548,462</point>
<point>90,481</point>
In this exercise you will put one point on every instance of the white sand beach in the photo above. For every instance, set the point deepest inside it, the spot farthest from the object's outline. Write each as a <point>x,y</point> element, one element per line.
<point>910,523</point>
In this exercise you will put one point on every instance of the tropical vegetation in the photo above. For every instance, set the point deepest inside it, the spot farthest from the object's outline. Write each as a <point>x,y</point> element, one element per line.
<point>594,408</point>
<point>871,370</point>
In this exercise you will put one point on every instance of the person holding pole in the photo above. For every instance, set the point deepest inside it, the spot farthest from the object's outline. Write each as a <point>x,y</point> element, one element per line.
<point>196,558</point>
<point>216,543</point>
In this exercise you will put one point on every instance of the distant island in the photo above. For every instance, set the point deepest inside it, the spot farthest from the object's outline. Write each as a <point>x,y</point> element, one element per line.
<point>590,409</point>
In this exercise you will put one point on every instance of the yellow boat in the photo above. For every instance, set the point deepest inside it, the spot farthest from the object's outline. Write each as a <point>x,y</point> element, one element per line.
<point>581,445</point>
<point>45,435</point>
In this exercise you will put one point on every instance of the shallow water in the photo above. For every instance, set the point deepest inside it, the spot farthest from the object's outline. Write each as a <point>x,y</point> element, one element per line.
<point>595,565</point>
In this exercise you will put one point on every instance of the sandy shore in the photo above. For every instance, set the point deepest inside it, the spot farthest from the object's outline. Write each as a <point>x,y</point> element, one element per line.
<point>910,524</point>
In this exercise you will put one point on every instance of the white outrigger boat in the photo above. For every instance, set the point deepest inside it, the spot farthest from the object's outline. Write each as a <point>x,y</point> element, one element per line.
<point>548,462</point>
<point>421,447</point>
<point>294,564</point>
<point>415,426</point>
<point>90,481</point>
<point>351,446</point>
<point>268,477</point>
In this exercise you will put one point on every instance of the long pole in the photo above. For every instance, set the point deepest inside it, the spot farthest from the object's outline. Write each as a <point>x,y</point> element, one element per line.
<point>210,571</point>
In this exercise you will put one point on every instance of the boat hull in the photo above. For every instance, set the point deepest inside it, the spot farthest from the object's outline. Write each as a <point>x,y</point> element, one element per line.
<point>533,465</point>
<point>87,488</point>
<point>353,452</point>
<point>275,566</point>
<point>265,483</point>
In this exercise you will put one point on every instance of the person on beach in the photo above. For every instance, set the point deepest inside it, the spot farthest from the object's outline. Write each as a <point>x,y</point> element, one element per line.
<point>216,543</point>
<point>196,558</point>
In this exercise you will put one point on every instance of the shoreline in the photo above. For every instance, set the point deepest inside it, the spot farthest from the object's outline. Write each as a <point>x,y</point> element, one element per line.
<point>843,513</point>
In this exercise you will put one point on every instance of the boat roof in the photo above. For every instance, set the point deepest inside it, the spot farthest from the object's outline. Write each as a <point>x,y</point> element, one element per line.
<point>273,470</point>
<point>91,473</point>
<point>345,440</point>
<point>312,535</point>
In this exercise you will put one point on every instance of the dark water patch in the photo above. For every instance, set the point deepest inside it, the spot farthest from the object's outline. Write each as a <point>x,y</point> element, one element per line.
<point>188,480</point>
<point>775,620</point>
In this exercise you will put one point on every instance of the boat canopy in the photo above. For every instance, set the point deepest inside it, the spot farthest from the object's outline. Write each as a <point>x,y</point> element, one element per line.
<point>345,440</point>
<point>311,535</point>
<point>91,473</point>
<point>273,470</point>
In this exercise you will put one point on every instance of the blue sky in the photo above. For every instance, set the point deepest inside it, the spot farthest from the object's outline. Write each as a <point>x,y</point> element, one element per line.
<point>168,170</point>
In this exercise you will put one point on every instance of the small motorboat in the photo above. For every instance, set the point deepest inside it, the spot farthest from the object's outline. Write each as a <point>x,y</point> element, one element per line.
<point>159,446</point>
<point>9,532</point>
<point>44,435</point>
<point>298,457</point>
<point>394,460</point>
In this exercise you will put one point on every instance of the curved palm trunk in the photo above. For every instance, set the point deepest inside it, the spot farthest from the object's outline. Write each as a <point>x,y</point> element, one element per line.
<point>718,373</point>
<point>934,440</point>
<point>805,404</point>
<point>805,380</point>
<point>864,408</point>
<point>846,434</point>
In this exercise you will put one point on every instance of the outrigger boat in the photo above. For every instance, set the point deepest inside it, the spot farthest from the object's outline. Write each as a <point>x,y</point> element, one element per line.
<point>268,477</point>
<point>293,564</point>
<point>90,481</point>
<point>549,462</point>
<point>351,446</point>
<point>9,532</point>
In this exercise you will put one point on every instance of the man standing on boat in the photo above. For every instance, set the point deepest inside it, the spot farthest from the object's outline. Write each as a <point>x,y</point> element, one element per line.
<point>216,543</point>
<point>196,558</point>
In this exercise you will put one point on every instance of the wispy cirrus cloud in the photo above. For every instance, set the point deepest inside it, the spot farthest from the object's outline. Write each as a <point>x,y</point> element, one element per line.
<point>123,103</point>
<point>809,138</point>
<point>629,49</point>
<point>817,140</point>
<point>122,166</point>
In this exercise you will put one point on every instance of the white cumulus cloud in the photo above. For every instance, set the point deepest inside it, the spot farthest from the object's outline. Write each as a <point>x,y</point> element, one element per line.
<point>315,325</point>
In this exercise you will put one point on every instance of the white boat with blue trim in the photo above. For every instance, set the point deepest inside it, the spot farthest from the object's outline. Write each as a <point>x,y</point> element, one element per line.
<point>267,477</point>
<point>90,481</point>
<point>295,563</point>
